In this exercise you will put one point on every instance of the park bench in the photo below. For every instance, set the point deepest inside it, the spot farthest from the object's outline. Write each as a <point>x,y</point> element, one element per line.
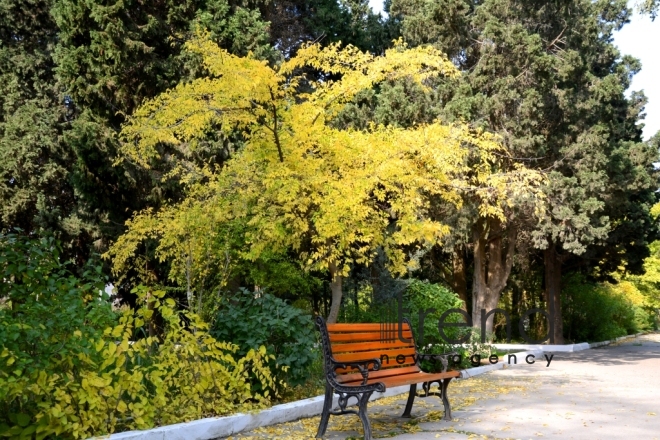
<point>362,358</point>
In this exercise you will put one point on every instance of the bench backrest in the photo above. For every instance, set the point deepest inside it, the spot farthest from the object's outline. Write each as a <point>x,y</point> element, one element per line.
<point>356,342</point>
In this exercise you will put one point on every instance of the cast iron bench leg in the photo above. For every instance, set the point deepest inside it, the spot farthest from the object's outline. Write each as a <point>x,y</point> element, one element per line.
<point>362,412</point>
<point>445,399</point>
<point>411,399</point>
<point>325,415</point>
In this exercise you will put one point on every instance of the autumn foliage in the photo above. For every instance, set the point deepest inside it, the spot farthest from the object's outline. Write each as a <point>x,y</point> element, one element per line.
<point>331,196</point>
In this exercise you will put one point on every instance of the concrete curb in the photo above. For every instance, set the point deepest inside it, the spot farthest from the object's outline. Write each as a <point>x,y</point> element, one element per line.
<point>555,348</point>
<point>569,348</point>
<point>476,371</point>
<point>214,427</point>
<point>599,344</point>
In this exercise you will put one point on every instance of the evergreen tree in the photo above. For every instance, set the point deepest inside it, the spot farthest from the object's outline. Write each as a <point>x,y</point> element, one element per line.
<point>294,22</point>
<point>547,78</point>
<point>35,191</point>
<point>71,70</point>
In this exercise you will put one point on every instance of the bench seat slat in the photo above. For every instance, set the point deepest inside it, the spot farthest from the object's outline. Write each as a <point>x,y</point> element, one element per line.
<point>352,328</point>
<point>376,354</point>
<point>369,346</point>
<point>357,377</point>
<point>406,379</point>
<point>364,336</point>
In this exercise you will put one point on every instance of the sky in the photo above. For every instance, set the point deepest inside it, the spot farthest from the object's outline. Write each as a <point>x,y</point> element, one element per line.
<point>639,38</point>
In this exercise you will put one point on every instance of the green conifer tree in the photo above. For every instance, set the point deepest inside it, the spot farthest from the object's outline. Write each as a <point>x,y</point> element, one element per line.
<point>547,78</point>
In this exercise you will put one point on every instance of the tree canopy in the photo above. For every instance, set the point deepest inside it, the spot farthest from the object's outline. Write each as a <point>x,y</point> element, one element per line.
<point>546,77</point>
<point>221,143</point>
<point>332,196</point>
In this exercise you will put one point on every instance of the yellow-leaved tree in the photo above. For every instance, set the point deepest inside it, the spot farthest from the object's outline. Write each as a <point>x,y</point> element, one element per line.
<point>330,196</point>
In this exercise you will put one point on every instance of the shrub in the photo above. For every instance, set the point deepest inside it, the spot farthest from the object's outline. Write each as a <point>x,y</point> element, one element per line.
<point>49,316</point>
<point>417,296</point>
<point>472,347</point>
<point>61,376</point>
<point>314,384</point>
<point>121,384</point>
<point>595,312</point>
<point>421,296</point>
<point>642,314</point>
<point>251,320</point>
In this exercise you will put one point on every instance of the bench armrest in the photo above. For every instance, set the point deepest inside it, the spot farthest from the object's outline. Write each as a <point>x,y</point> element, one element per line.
<point>362,366</point>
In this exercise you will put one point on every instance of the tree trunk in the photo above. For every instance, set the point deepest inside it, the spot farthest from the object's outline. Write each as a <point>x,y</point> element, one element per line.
<point>493,259</point>
<point>316,307</point>
<point>356,300</point>
<point>553,292</point>
<point>459,280</point>
<point>335,288</point>
<point>479,282</point>
<point>516,300</point>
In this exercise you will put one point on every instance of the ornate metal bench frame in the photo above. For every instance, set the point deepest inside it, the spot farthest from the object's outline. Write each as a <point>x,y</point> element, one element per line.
<point>363,392</point>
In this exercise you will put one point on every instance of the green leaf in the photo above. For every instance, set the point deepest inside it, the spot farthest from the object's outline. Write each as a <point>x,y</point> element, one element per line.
<point>28,431</point>
<point>23,420</point>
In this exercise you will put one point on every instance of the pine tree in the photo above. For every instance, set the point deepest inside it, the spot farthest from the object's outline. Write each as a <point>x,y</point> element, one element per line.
<point>112,56</point>
<point>294,22</point>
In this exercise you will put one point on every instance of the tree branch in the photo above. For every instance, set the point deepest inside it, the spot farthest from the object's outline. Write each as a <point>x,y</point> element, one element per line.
<point>275,133</point>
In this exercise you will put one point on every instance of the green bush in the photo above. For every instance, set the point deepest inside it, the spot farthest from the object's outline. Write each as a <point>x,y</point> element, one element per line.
<point>64,376</point>
<point>314,384</point>
<point>643,314</point>
<point>50,316</point>
<point>596,312</point>
<point>418,296</point>
<point>422,296</point>
<point>472,346</point>
<point>251,320</point>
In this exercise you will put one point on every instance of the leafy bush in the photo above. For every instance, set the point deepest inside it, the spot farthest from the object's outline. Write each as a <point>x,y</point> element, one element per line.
<point>417,296</point>
<point>251,320</point>
<point>49,316</point>
<point>473,346</point>
<point>61,376</point>
<point>314,384</point>
<point>642,313</point>
<point>596,312</point>
<point>421,296</point>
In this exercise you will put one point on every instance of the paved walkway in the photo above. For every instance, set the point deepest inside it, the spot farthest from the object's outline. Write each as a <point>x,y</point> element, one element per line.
<point>610,392</point>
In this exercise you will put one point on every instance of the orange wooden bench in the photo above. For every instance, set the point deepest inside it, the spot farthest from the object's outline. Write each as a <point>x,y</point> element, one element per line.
<point>363,358</point>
